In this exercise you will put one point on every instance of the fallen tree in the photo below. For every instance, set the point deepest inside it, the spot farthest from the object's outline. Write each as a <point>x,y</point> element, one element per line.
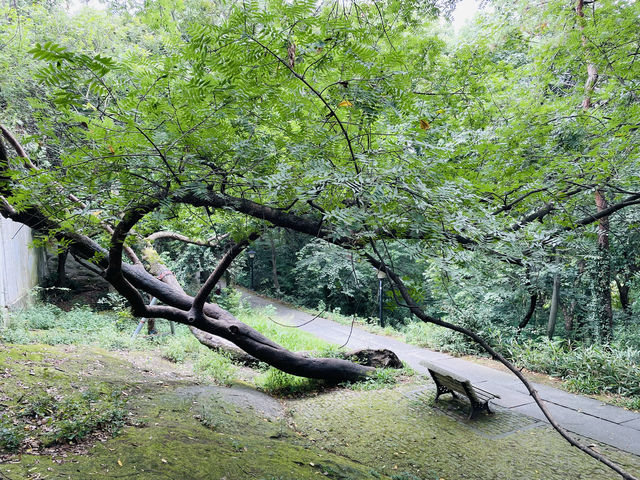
<point>208,321</point>
<point>306,119</point>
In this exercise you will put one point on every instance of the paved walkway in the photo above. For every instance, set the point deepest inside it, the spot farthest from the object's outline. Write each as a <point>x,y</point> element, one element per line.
<point>584,416</point>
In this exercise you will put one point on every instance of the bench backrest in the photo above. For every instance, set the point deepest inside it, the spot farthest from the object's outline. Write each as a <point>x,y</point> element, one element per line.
<point>457,384</point>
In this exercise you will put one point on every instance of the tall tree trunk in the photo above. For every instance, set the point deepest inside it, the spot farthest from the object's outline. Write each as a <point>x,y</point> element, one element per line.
<point>603,282</point>
<point>61,271</point>
<point>533,301</point>
<point>555,301</point>
<point>623,292</point>
<point>568,313</point>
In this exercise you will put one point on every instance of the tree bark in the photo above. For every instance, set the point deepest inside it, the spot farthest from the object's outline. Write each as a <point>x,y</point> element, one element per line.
<point>553,311</point>
<point>603,281</point>
<point>623,291</point>
<point>532,308</point>
<point>61,271</point>
<point>568,313</point>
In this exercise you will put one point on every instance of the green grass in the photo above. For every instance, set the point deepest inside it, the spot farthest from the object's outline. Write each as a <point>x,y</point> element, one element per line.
<point>215,366</point>
<point>281,384</point>
<point>47,324</point>
<point>292,339</point>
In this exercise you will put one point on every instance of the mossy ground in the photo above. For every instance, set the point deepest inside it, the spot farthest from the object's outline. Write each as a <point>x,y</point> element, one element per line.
<point>181,429</point>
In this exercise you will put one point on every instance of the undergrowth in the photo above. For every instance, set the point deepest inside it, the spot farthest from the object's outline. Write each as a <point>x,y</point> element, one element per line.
<point>112,329</point>
<point>591,369</point>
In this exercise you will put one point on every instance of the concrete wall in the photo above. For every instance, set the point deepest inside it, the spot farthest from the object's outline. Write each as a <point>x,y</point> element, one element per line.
<point>20,264</point>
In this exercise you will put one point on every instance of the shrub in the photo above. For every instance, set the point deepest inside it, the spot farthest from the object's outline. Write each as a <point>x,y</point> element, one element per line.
<point>51,420</point>
<point>11,436</point>
<point>587,368</point>
<point>41,317</point>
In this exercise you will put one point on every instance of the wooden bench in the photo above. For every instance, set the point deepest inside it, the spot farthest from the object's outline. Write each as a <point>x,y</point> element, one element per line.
<point>449,382</point>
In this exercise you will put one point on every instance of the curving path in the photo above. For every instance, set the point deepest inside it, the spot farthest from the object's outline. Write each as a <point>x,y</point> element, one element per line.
<point>581,415</point>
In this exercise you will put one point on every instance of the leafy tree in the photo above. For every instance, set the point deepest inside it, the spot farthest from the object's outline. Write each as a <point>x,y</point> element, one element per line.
<point>349,122</point>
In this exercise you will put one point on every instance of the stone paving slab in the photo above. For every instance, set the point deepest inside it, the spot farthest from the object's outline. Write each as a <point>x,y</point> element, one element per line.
<point>502,423</point>
<point>619,436</point>
<point>635,424</point>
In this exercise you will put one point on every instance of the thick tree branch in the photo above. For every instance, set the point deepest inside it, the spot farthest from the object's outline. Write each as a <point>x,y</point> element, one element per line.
<point>195,313</point>
<point>508,206</point>
<point>215,241</point>
<point>532,308</point>
<point>215,321</point>
<point>627,202</point>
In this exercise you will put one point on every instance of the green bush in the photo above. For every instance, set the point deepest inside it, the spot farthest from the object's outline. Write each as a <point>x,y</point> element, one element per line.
<point>79,415</point>
<point>587,368</point>
<point>41,317</point>
<point>15,334</point>
<point>49,420</point>
<point>49,325</point>
<point>11,435</point>
<point>231,300</point>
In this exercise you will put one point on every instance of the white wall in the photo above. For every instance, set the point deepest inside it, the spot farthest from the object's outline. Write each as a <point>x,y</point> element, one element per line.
<point>19,263</point>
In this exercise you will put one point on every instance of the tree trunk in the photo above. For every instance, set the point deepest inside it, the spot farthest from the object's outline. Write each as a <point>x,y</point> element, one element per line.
<point>532,308</point>
<point>623,292</point>
<point>61,270</point>
<point>553,312</point>
<point>568,313</point>
<point>603,281</point>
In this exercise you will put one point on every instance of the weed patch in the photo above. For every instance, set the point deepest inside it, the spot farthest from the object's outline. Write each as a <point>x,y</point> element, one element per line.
<point>281,384</point>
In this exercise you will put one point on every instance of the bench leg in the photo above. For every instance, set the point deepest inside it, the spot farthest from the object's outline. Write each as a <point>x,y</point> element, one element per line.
<point>441,390</point>
<point>476,409</point>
